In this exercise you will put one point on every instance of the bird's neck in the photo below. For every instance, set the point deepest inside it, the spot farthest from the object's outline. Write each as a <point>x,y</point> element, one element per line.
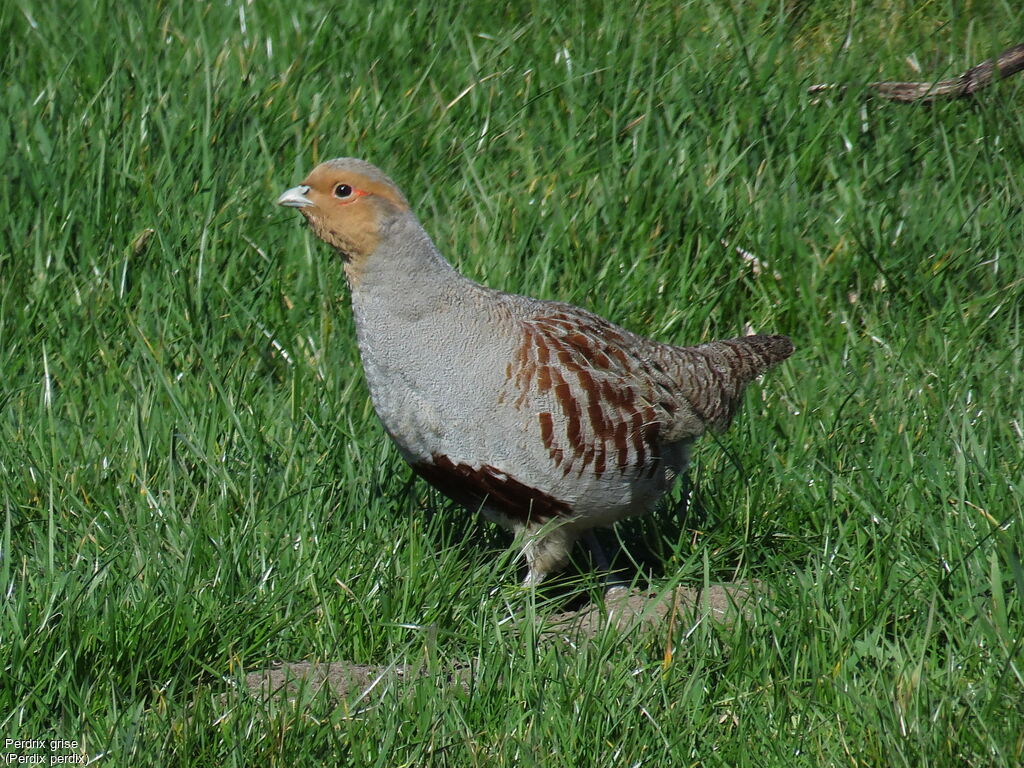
<point>405,276</point>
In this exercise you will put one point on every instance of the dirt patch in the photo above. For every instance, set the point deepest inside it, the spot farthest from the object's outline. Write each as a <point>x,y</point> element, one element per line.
<point>627,610</point>
<point>623,610</point>
<point>348,681</point>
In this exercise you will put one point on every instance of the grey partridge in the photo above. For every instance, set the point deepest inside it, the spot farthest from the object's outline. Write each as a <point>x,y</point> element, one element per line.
<point>546,417</point>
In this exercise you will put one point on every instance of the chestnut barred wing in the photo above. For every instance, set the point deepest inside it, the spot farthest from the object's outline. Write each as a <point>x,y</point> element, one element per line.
<point>614,400</point>
<point>601,407</point>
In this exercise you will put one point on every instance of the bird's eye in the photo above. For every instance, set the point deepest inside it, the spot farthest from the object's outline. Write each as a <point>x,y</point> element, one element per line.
<point>342,191</point>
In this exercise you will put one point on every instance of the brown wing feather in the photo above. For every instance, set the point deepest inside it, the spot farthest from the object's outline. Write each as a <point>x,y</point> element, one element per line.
<point>606,409</point>
<point>619,398</point>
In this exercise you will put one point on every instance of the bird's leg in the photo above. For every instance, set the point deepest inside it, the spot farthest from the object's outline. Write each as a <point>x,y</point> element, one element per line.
<point>533,577</point>
<point>535,573</point>
<point>546,549</point>
<point>597,552</point>
<point>611,580</point>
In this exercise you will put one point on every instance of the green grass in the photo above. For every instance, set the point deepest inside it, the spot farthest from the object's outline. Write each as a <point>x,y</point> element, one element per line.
<point>194,483</point>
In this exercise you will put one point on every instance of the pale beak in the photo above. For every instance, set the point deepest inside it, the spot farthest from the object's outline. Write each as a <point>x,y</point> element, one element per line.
<point>295,197</point>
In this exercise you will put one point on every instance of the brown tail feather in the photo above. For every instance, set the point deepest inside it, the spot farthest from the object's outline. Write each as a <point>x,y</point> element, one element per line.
<point>716,373</point>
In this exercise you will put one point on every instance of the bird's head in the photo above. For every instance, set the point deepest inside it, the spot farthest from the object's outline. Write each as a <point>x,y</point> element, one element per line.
<point>349,204</point>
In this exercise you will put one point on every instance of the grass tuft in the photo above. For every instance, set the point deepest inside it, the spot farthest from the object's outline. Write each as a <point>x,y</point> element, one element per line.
<point>194,485</point>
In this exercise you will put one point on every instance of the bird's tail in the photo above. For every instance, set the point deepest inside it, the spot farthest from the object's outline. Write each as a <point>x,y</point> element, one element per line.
<point>717,372</point>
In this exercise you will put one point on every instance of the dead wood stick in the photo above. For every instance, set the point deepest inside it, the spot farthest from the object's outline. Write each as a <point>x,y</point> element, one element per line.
<point>1009,62</point>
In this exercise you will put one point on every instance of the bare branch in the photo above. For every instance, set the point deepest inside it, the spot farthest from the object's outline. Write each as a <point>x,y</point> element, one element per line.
<point>1009,62</point>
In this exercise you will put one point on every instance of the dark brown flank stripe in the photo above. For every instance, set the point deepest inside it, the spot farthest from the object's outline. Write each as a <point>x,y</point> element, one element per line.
<point>617,399</point>
<point>567,357</point>
<point>598,423</point>
<point>543,356</point>
<point>473,487</point>
<point>621,447</point>
<point>571,410</point>
<point>547,432</point>
<point>523,355</point>
<point>544,379</point>
<point>599,466</point>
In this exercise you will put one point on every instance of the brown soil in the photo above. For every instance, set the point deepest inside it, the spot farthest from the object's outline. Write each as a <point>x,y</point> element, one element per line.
<point>623,609</point>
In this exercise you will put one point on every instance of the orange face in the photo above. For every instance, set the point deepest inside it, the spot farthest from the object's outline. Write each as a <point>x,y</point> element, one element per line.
<point>347,202</point>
